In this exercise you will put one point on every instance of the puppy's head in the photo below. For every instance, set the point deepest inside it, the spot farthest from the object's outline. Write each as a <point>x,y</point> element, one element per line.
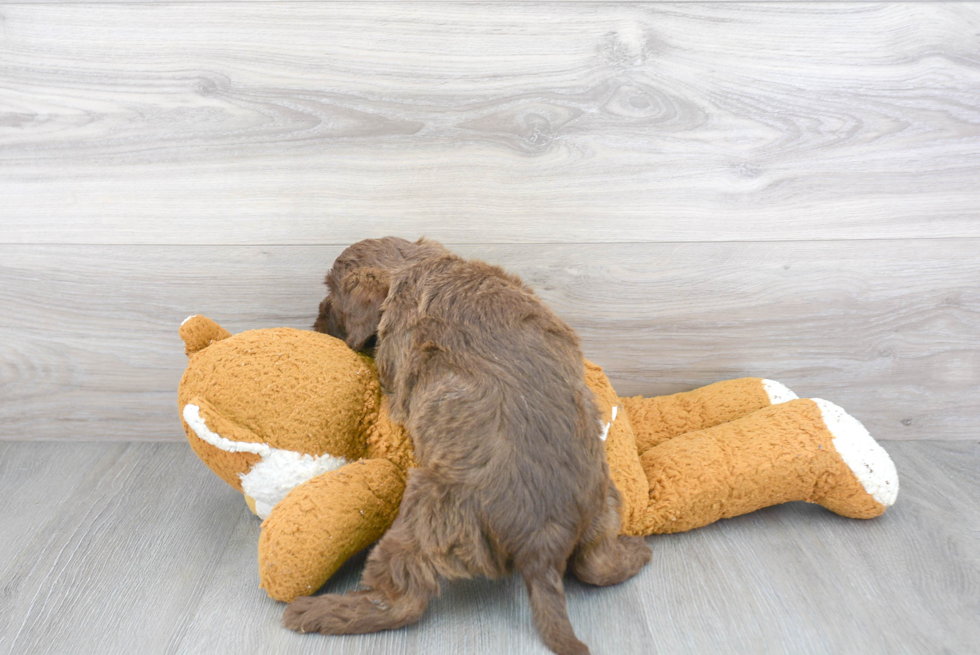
<point>328,321</point>
<point>353,314</point>
<point>358,284</point>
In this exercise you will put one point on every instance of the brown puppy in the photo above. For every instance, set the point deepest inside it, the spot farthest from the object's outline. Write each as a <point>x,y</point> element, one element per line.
<point>358,283</point>
<point>512,472</point>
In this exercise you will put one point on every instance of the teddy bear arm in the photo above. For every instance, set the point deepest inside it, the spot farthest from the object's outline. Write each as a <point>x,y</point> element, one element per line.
<point>661,418</point>
<point>390,440</point>
<point>323,522</point>
<point>807,450</point>
<point>621,454</point>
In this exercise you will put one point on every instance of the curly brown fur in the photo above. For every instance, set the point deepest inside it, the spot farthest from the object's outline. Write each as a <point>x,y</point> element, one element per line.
<point>358,282</point>
<point>511,470</point>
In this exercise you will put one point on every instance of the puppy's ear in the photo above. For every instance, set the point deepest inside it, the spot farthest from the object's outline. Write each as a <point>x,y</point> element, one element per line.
<point>365,289</point>
<point>326,320</point>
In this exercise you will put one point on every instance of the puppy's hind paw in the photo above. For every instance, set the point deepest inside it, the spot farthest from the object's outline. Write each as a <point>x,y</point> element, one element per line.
<point>303,615</point>
<point>341,614</point>
<point>636,552</point>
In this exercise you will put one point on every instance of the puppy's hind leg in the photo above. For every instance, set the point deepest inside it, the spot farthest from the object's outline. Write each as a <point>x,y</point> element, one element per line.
<point>400,581</point>
<point>605,558</point>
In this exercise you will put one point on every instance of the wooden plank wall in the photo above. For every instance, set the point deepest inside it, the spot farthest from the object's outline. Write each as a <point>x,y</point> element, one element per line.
<point>703,190</point>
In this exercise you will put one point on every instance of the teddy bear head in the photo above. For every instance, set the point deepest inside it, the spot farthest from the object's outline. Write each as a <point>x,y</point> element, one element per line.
<point>268,409</point>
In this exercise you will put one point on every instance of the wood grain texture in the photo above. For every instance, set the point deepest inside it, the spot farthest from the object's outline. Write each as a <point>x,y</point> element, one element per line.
<point>322,123</point>
<point>118,566</point>
<point>155,555</point>
<point>890,330</point>
<point>63,469</point>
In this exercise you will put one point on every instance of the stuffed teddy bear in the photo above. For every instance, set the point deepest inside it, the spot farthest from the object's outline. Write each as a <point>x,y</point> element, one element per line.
<point>297,422</point>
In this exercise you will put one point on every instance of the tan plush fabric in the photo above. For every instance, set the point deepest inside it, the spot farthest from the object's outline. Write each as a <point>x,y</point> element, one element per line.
<point>320,524</point>
<point>775,455</point>
<point>660,418</point>
<point>292,389</point>
<point>679,461</point>
<point>308,393</point>
<point>621,453</point>
<point>227,465</point>
<point>199,332</point>
<point>389,440</point>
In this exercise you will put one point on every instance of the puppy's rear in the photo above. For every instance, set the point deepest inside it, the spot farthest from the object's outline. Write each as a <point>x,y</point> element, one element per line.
<point>490,384</point>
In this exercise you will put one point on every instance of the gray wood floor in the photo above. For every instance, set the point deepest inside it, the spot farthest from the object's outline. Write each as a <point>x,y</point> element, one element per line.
<point>137,548</point>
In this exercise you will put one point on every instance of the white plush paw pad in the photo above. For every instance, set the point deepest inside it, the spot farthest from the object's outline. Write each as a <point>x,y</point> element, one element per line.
<point>778,392</point>
<point>271,479</point>
<point>870,463</point>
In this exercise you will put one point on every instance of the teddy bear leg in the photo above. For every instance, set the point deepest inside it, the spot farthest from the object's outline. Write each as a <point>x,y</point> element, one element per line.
<point>800,450</point>
<point>323,522</point>
<point>400,575</point>
<point>658,419</point>
<point>400,582</point>
<point>861,456</point>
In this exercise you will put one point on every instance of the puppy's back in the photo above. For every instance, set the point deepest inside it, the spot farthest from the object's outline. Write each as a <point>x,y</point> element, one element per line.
<point>511,475</point>
<point>500,396</point>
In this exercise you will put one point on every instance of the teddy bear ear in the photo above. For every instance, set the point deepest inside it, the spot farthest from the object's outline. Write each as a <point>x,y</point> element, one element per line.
<point>199,332</point>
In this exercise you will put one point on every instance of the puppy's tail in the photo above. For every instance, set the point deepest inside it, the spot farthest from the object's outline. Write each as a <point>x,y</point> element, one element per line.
<point>199,332</point>
<point>547,592</point>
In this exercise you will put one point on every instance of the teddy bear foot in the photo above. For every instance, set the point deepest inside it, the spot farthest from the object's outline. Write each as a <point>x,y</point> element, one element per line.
<point>778,392</point>
<point>862,459</point>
